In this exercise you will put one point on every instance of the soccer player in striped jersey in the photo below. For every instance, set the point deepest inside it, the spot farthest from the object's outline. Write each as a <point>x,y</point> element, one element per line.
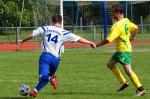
<point>54,38</point>
<point>123,31</point>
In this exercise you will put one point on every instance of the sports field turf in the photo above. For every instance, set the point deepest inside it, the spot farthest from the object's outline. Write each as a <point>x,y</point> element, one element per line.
<point>82,74</point>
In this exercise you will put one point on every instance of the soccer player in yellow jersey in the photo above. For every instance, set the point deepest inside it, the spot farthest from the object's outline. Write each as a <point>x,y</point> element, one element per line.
<point>123,31</point>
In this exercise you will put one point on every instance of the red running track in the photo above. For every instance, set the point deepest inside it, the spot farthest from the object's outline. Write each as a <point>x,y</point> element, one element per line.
<point>32,46</point>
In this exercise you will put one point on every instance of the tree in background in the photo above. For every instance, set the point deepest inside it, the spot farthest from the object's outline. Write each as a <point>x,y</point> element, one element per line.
<point>10,12</point>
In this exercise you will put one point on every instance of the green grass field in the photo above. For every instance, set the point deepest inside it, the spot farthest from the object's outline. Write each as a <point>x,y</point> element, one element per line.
<point>82,74</point>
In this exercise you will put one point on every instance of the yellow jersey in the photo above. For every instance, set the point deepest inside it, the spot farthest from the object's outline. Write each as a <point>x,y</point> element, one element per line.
<point>120,32</point>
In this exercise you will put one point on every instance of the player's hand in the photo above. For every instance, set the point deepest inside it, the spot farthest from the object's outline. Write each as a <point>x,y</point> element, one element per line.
<point>93,45</point>
<point>131,39</point>
<point>19,42</point>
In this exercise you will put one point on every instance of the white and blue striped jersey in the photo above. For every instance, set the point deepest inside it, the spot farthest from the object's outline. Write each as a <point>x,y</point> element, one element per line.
<point>54,38</point>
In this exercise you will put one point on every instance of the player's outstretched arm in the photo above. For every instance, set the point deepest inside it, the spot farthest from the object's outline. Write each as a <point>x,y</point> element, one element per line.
<point>102,43</point>
<point>26,39</point>
<point>85,41</point>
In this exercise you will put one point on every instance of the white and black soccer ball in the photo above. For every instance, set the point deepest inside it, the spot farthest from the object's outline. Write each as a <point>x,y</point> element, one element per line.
<point>24,90</point>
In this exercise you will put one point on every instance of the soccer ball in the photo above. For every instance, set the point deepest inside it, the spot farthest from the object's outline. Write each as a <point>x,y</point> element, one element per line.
<point>24,90</point>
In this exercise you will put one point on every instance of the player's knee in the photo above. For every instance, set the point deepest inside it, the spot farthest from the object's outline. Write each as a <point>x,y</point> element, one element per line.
<point>110,66</point>
<point>128,72</point>
<point>44,78</point>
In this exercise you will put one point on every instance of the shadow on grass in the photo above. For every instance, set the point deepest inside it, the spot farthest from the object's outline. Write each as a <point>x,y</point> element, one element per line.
<point>116,94</point>
<point>90,93</point>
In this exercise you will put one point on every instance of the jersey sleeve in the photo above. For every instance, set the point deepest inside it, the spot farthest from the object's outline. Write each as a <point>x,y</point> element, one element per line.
<point>38,31</point>
<point>132,26</point>
<point>70,37</point>
<point>114,33</point>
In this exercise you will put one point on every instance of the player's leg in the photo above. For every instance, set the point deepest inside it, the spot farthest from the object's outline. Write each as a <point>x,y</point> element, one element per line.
<point>54,65</point>
<point>134,79</point>
<point>44,77</point>
<point>111,65</point>
<point>125,60</point>
<point>53,69</point>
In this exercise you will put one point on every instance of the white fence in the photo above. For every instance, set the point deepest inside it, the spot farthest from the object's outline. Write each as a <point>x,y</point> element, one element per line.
<point>93,33</point>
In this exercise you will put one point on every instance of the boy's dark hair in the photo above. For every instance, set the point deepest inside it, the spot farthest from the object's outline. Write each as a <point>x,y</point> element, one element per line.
<point>57,19</point>
<point>116,9</point>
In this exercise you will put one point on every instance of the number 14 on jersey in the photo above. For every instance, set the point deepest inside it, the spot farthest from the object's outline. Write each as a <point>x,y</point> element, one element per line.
<point>53,39</point>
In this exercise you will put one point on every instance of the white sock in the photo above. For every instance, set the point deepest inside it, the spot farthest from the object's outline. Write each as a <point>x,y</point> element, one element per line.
<point>35,90</point>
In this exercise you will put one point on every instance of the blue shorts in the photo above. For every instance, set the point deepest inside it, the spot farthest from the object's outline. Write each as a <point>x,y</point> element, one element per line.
<point>48,64</point>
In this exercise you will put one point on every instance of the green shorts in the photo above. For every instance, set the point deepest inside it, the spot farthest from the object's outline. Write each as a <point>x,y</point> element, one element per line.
<point>122,57</point>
